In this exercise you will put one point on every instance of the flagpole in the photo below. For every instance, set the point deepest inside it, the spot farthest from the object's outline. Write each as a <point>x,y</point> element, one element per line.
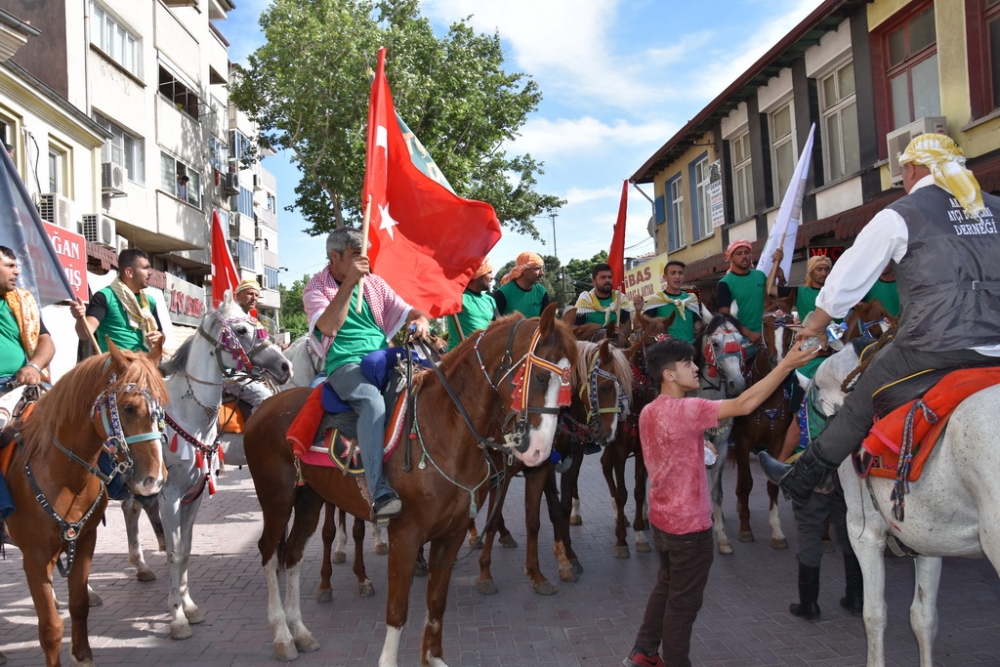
<point>90,334</point>
<point>364,250</point>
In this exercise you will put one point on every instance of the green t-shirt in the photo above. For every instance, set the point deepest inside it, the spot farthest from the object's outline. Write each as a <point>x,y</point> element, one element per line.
<point>805,300</point>
<point>886,294</point>
<point>357,337</point>
<point>12,357</point>
<point>527,303</point>
<point>597,317</point>
<point>682,329</point>
<point>477,313</point>
<point>748,293</point>
<point>115,325</point>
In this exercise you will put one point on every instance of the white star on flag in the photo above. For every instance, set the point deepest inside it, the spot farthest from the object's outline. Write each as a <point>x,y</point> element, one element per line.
<point>387,221</point>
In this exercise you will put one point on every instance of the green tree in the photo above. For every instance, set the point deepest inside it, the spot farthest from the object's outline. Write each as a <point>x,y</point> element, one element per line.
<point>578,271</point>
<point>293,316</point>
<point>307,89</point>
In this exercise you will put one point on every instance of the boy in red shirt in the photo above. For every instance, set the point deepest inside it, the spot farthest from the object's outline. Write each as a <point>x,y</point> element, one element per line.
<point>671,430</point>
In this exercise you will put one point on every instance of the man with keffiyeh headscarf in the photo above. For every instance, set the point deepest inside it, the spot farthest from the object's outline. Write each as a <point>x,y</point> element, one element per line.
<point>944,241</point>
<point>745,286</point>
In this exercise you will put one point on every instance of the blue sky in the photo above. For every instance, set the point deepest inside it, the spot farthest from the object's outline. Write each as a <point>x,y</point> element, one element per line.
<point>619,78</point>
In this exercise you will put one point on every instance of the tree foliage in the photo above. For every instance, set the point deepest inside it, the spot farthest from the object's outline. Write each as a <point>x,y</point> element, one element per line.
<point>307,89</point>
<point>293,316</point>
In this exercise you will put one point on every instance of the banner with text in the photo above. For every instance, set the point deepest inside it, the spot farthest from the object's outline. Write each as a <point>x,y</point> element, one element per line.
<point>185,301</point>
<point>71,248</point>
<point>646,279</point>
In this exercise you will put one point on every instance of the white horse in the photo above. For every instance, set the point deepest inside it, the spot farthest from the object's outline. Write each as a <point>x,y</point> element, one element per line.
<point>952,510</point>
<point>721,374</point>
<point>227,343</point>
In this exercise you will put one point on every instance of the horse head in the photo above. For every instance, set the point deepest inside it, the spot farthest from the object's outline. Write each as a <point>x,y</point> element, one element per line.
<point>242,345</point>
<point>602,378</point>
<point>777,335</point>
<point>720,355</point>
<point>826,393</point>
<point>868,320</point>
<point>306,363</point>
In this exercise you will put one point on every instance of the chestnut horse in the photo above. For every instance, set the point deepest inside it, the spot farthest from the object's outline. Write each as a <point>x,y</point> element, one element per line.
<point>511,379</point>
<point>110,402</point>
<point>602,383</point>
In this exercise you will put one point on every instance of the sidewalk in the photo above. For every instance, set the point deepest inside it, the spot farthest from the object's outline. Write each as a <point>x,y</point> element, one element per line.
<point>589,623</point>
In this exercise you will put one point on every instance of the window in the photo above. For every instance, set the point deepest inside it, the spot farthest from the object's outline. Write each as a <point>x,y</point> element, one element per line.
<point>180,179</point>
<point>675,214</point>
<point>180,95</point>
<point>743,202</point>
<point>244,202</point>
<point>55,170</point>
<point>123,149</point>
<point>910,55</point>
<point>218,154</point>
<point>239,144</point>
<point>223,218</point>
<point>245,251</point>
<point>114,40</point>
<point>272,203</point>
<point>841,155</point>
<point>270,278</point>
<point>701,199</point>
<point>983,39</point>
<point>782,149</point>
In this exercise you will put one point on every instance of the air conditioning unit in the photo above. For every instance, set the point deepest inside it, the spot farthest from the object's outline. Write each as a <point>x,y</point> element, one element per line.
<point>259,234</point>
<point>231,183</point>
<point>112,177</point>
<point>899,139</point>
<point>56,209</point>
<point>256,182</point>
<point>123,244</point>
<point>262,280</point>
<point>100,229</point>
<point>234,249</point>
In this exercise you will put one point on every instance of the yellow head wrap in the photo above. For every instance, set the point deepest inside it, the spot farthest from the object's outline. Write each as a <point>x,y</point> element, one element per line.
<point>813,263</point>
<point>245,285</point>
<point>484,268</point>
<point>940,154</point>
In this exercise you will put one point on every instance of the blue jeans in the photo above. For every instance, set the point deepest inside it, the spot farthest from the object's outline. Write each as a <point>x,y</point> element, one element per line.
<point>356,390</point>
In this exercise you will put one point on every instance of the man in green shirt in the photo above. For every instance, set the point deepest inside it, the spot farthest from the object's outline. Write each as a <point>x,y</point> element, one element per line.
<point>602,304</point>
<point>26,347</point>
<point>122,311</point>
<point>884,291</point>
<point>478,307</point>
<point>675,301</point>
<point>520,290</point>
<point>817,269</point>
<point>330,303</point>
<point>744,286</point>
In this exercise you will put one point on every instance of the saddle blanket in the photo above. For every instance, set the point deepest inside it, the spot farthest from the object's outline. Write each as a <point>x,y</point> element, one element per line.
<point>336,445</point>
<point>886,436</point>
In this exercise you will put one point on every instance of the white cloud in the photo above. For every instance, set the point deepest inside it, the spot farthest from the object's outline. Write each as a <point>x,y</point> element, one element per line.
<point>580,195</point>
<point>544,139</point>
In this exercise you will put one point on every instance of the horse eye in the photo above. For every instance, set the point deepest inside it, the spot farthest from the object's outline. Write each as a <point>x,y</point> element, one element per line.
<point>129,410</point>
<point>541,378</point>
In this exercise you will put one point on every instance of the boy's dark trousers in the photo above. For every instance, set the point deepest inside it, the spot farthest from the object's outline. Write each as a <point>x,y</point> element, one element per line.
<point>685,561</point>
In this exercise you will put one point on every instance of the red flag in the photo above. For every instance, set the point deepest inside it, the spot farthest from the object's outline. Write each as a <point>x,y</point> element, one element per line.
<point>616,256</point>
<point>426,242</point>
<point>224,276</point>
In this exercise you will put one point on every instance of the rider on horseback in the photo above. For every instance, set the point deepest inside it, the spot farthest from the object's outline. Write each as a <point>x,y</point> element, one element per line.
<point>349,333</point>
<point>943,239</point>
<point>26,347</point>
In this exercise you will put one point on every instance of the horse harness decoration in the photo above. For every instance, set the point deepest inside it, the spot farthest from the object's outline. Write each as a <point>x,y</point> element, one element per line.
<point>116,443</point>
<point>591,431</point>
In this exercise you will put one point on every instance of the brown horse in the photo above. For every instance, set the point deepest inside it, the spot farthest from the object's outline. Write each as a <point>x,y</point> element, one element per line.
<point>108,402</point>
<point>602,382</point>
<point>511,375</point>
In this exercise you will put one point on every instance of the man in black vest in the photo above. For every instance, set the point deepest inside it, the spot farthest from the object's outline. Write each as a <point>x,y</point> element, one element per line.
<point>943,237</point>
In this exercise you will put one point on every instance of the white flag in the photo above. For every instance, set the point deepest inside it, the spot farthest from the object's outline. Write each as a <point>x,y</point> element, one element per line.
<point>787,225</point>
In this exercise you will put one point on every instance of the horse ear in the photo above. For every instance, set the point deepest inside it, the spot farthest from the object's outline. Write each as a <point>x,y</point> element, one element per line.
<point>116,354</point>
<point>227,298</point>
<point>547,322</point>
<point>706,315</point>
<point>605,351</point>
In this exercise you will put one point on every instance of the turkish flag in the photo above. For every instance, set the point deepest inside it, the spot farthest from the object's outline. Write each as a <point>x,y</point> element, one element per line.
<point>426,241</point>
<point>224,275</point>
<point>616,256</point>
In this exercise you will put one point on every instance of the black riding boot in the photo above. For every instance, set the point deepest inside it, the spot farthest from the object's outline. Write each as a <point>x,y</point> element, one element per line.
<point>808,594</point>
<point>854,600</point>
<point>797,481</point>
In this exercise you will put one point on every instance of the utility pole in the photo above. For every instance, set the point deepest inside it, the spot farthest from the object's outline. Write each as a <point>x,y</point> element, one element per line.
<point>555,253</point>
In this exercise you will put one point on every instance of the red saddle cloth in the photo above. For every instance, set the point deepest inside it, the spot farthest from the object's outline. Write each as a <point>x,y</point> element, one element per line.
<point>886,436</point>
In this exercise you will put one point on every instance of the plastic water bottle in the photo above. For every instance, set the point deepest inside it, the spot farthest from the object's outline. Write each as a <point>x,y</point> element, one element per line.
<point>834,332</point>
<point>810,343</point>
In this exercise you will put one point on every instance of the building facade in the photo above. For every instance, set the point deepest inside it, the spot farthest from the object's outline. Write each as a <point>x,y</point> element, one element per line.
<point>869,75</point>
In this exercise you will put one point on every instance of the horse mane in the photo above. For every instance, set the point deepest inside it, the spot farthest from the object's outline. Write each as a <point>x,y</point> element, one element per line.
<point>178,361</point>
<point>620,366</point>
<point>71,398</point>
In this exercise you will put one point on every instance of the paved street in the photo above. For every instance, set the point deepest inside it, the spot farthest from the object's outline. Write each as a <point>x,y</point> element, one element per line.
<point>591,622</point>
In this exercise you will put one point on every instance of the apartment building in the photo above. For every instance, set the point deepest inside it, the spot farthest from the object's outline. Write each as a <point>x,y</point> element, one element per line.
<point>870,75</point>
<point>162,160</point>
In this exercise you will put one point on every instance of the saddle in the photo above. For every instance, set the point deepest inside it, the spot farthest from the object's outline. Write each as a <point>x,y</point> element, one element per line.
<point>325,431</point>
<point>912,414</point>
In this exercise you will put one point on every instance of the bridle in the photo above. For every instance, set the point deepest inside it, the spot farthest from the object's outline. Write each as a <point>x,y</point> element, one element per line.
<point>589,397</point>
<point>116,444</point>
<point>732,346</point>
<point>241,362</point>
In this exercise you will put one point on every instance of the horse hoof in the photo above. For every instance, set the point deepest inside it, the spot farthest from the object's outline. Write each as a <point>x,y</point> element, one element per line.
<point>420,570</point>
<point>487,587</point>
<point>285,651</point>
<point>382,549</point>
<point>827,546</point>
<point>576,520</point>
<point>746,536</point>
<point>180,631</point>
<point>642,547</point>
<point>89,662</point>
<point>725,548</point>
<point>577,566</point>
<point>622,552</point>
<point>306,643</point>
<point>338,557</point>
<point>194,616</point>
<point>474,542</point>
<point>545,588</point>
<point>779,543</point>
<point>145,575</point>
<point>508,542</point>
<point>93,600</point>
<point>161,547</point>
<point>366,589</point>
<point>324,595</point>
<point>567,574</point>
